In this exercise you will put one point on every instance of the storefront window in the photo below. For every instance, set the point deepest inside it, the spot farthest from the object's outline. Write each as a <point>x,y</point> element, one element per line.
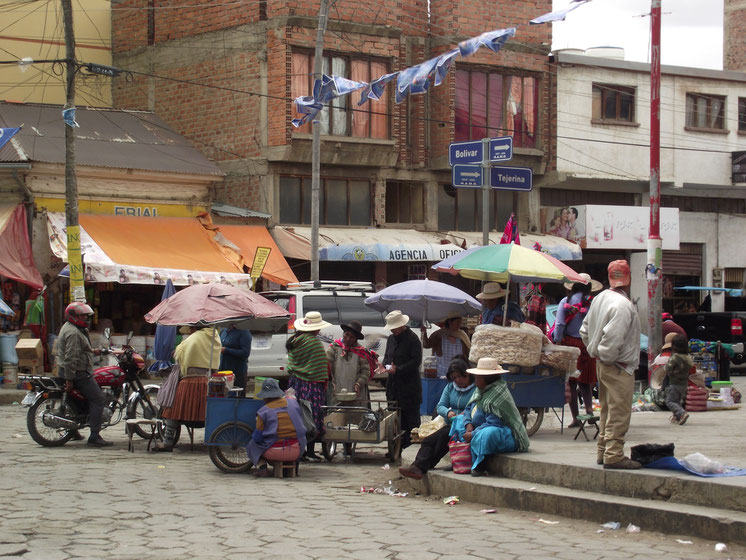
<point>405,203</point>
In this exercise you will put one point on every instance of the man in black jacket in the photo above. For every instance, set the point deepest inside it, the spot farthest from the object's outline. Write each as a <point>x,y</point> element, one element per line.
<point>402,361</point>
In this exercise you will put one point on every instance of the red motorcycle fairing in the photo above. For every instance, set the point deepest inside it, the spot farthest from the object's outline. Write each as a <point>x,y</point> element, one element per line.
<point>109,376</point>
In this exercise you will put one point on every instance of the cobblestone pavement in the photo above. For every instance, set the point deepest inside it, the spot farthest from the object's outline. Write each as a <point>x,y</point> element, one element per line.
<point>77,502</point>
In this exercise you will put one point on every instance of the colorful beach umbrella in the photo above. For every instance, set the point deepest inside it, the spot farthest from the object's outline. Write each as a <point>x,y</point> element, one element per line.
<point>512,263</point>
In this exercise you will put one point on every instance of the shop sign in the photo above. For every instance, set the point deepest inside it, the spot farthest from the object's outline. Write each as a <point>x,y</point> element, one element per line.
<point>260,260</point>
<point>388,252</point>
<point>117,208</point>
<point>610,227</point>
<point>738,167</point>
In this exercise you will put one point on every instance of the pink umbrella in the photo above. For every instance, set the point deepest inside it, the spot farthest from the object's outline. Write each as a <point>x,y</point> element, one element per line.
<point>204,305</point>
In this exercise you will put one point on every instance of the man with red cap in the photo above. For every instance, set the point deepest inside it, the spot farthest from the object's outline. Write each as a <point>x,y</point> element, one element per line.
<point>611,333</point>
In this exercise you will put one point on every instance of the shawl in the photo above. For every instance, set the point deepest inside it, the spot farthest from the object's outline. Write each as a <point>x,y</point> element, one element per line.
<point>496,399</point>
<point>361,351</point>
<point>201,349</point>
<point>307,358</point>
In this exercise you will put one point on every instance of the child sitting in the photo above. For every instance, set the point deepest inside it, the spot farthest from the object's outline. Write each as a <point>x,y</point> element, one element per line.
<point>678,368</point>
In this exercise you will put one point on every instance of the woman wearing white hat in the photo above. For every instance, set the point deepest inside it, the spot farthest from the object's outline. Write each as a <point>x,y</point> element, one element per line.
<point>492,307</point>
<point>309,370</point>
<point>570,314</point>
<point>491,422</point>
<point>402,360</point>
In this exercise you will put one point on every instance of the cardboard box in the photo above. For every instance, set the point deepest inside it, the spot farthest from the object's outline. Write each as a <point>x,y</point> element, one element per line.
<point>30,353</point>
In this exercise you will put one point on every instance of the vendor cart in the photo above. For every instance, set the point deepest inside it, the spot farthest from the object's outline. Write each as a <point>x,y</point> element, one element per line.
<point>350,425</point>
<point>534,390</point>
<point>229,423</point>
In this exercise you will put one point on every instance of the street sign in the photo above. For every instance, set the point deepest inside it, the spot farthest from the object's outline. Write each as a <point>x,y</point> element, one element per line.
<point>467,176</point>
<point>465,152</point>
<point>511,178</point>
<point>501,149</point>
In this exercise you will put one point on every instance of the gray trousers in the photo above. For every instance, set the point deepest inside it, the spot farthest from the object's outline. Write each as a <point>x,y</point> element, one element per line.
<point>674,398</point>
<point>96,400</point>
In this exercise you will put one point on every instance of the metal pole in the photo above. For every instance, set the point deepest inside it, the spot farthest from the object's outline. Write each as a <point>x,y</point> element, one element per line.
<point>74,258</point>
<point>486,180</point>
<point>316,149</point>
<point>653,270</point>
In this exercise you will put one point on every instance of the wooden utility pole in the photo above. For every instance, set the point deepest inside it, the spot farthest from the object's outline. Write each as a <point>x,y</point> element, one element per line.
<point>74,257</point>
<point>316,149</point>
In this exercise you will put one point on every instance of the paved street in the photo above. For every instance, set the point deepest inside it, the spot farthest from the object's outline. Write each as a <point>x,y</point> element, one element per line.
<point>77,502</point>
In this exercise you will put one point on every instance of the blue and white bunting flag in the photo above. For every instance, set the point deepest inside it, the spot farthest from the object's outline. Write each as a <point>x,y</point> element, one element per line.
<point>493,40</point>
<point>6,134</point>
<point>558,15</point>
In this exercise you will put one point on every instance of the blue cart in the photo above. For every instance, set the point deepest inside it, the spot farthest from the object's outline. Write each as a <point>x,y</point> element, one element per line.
<point>229,423</point>
<point>535,389</point>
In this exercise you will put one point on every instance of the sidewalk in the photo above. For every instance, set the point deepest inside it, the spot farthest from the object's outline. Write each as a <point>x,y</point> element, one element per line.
<point>559,475</point>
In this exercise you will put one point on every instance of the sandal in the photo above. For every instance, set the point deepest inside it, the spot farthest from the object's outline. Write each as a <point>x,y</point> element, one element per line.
<point>262,472</point>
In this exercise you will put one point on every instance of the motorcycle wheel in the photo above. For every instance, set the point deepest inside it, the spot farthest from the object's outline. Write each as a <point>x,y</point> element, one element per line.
<point>138,408</point>
<point>40,432</point>
<point>227,447</point>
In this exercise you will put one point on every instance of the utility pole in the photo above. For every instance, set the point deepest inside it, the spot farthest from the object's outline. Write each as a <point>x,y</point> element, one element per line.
<point>74,257</point>
<point>653,270</point>
<point>316,149</point>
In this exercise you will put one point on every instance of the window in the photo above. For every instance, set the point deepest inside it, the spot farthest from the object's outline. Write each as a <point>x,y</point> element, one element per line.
<point>705,111</point>
<point>461,209</point>
<point>613,103</point>
<point>405,203</point>
<point>742,114</point>
<point>342,202</point>
<point>342,116</point>
<point>489,105</point>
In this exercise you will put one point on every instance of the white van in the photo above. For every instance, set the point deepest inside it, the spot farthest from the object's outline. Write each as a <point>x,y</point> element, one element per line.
<point>338,303</point>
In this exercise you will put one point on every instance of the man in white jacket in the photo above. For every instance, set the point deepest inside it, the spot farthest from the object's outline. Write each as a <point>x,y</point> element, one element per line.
<point>611,333</point>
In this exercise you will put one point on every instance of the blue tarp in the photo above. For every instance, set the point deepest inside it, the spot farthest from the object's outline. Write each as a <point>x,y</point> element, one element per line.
<point>728,291</point>
<point>165,338</point>
<point>673,464</point>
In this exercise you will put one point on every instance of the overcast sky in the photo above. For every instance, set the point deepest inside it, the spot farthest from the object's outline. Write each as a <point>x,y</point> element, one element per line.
<point>692,30</point>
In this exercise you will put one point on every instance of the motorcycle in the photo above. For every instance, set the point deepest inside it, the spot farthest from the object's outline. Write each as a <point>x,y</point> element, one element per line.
<point>54,415</point>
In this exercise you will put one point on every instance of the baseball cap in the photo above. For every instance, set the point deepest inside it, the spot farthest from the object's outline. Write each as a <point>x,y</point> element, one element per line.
<point>619,273</point>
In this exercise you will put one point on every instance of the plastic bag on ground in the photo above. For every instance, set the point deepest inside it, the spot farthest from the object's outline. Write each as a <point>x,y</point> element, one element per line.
<point>702,464</point>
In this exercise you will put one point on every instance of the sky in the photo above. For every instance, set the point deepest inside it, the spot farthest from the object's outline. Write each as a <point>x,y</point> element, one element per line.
<point>692,30</point>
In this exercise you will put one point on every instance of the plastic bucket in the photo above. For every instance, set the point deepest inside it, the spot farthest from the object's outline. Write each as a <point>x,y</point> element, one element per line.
<point>8,343</point>
<point>10,374</point>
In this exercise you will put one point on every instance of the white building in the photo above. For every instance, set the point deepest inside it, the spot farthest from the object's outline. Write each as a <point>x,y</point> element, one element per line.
<point>602,171</point>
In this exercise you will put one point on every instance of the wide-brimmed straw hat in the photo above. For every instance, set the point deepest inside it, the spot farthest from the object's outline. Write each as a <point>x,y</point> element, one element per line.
<point>355,328</point>
<point>492,290</point>
<point>487,366</point>
<point>311,322</point>
<point>596,286</point>
<point>396,319</point>
<point>668,341</point>
<point>270,389</point>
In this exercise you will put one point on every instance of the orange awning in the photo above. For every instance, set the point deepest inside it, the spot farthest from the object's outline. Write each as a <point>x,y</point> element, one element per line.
<point>173,243</point>
<point>248,238</point>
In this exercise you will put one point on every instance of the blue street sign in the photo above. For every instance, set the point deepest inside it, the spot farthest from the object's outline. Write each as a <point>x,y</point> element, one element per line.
<point>467,176</point>
<point>501,149</point>
<point>465,152</point>
<point>511,178</point>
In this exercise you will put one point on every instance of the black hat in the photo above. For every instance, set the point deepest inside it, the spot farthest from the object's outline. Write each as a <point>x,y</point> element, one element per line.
<point>354,327</point>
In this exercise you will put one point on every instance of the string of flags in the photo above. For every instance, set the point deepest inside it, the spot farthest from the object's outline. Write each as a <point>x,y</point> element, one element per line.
<point>416,79</point>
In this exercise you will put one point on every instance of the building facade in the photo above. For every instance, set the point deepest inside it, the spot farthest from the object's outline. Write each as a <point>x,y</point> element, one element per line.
<point>602,172</point>
<point>225,76</point>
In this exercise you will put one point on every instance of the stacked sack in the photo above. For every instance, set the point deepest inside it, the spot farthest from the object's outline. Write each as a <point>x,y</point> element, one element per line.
<point>508,345</point>
<point>696,399</point>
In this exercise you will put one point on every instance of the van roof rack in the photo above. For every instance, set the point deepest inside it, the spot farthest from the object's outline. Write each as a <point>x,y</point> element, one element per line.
<point>332,285</point>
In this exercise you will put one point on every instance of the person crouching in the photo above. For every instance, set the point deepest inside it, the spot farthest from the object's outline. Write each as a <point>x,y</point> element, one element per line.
<point>279,434</point>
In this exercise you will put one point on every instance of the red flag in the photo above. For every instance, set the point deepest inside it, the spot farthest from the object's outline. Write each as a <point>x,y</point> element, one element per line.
<point>511,231</point>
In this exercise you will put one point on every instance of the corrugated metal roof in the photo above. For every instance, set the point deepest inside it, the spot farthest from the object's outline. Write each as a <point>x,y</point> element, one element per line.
<point>106,138</point>
<point>234,211</point>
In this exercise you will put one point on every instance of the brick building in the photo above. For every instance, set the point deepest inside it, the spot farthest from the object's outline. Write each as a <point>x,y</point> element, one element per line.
<point>734,33</point>
<point>383,165</point>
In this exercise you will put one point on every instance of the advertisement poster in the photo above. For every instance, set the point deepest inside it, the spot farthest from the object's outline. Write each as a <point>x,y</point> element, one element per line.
<point>610,227</point>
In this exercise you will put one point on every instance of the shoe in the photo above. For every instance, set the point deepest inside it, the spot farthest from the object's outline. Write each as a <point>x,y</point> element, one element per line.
<point>626,464</point>
<point>312,458</point>
<point>162,447</point>
<point>574,424</point>
<point>76,436</point>
<point>412,471</point>
<point>262,472</point>
<point>449,468</point>
<point>673,420</point>
<point>683,419</point>
<point>475,472</point>
<point>99,442</point>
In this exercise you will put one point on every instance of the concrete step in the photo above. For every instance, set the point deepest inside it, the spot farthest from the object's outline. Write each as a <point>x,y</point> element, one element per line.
<point>725,525</point>
<point>726,493</point>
